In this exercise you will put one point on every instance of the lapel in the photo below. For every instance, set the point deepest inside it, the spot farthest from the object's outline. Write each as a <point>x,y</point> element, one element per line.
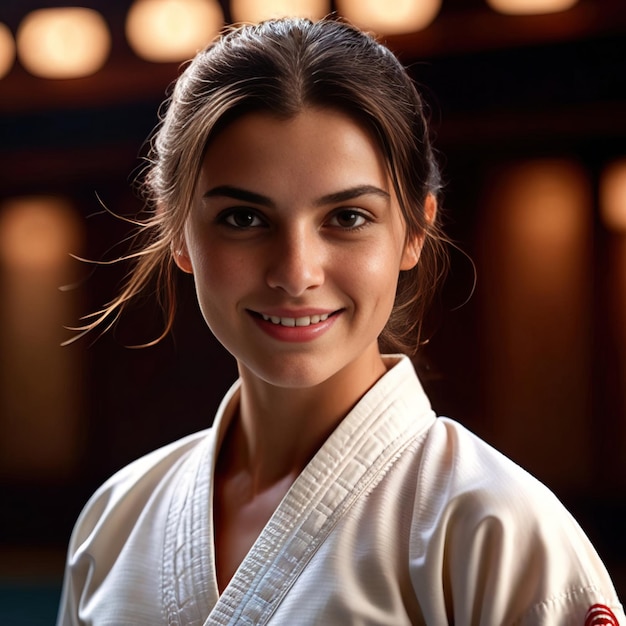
<point>349,464</point>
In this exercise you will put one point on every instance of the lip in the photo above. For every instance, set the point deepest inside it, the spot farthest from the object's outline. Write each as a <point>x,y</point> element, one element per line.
<point>295,333</point>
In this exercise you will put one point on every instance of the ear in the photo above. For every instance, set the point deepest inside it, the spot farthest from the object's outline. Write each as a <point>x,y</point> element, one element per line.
<point>413,248</point>
<point>180,253</point>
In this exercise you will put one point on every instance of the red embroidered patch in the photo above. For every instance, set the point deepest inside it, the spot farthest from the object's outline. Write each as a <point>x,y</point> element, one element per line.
<point>600,615</point>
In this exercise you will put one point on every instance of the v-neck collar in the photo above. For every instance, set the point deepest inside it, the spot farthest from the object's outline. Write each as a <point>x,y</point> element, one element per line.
<point>352,460</point>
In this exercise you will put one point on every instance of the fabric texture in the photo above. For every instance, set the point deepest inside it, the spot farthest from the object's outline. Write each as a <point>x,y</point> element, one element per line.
<point>400,518</point>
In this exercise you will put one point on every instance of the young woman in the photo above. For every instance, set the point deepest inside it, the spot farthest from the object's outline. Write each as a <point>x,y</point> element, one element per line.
<point>293,177</point>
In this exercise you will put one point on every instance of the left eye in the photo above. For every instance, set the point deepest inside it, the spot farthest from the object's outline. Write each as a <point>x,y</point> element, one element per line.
<point>348,218</point>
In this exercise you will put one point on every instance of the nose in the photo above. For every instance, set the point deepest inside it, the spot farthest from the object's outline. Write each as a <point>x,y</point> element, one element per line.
<point>296,260</point>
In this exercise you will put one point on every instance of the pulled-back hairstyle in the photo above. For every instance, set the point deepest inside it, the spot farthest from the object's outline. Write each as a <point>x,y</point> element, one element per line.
<point>283,66</point>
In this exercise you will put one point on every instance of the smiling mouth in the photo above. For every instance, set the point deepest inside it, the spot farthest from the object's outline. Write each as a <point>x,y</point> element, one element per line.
<point>307,320</point>
<point>295,322</point>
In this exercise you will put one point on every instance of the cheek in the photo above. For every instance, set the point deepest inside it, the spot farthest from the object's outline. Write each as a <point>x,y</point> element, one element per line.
<point>214,272</point>
<point>219,278</point>
<point>372,275</point>
<point>216,267</point>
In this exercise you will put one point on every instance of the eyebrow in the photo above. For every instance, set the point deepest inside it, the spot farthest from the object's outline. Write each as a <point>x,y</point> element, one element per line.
<point>237,193</point>
<point>352,193</point>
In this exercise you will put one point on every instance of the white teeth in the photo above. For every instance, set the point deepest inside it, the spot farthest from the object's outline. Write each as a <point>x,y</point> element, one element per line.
<point>296,321</point>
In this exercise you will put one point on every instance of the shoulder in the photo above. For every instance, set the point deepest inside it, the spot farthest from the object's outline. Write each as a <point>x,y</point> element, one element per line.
<point>459,464</point>
<point>501,540</point>
<point>128,491</point>
<point>474,489</point>
<point>116,547</point>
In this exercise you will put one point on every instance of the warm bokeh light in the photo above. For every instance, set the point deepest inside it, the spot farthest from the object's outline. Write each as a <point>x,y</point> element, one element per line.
<point>68,42</point>
<point>7,50</point>
<point>613,196</point>
<point>254,11</point>
<point>36,231</point>
<point>390,18</point>
<point>530,7</point>
<point>165,31</point>
<point>40,381</point>
<point>544,212</point>
<point>537,284</point>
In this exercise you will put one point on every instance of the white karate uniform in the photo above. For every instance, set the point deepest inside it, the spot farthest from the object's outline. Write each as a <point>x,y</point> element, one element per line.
<point>400,518</point>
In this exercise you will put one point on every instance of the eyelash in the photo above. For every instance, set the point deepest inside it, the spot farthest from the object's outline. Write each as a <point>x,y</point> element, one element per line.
<point>229,216</point>
<point>360,215</point>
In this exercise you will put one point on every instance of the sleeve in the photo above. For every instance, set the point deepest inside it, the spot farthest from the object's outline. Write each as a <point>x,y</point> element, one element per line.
<point>93,527</point>
<point>491,545</point>
<point>78,570</point>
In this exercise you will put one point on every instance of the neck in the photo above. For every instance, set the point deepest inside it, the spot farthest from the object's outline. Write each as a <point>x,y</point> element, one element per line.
<point>280,429</point>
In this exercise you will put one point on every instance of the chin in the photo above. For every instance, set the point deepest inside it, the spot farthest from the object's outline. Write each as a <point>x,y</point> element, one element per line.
<point>291,373</point>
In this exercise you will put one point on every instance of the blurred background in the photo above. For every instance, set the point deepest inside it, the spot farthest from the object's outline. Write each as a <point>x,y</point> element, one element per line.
<point>528,105</point>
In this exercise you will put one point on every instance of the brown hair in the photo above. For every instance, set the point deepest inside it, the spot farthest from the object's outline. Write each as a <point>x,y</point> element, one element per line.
<point>281,66</point>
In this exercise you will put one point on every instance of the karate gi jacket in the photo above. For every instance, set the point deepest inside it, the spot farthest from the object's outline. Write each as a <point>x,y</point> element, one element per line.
<point>400,518</point>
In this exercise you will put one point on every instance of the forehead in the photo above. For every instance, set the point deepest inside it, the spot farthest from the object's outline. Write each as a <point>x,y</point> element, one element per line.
<point>315,143</point>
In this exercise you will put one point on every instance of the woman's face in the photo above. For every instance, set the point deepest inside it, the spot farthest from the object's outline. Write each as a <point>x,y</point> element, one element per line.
<point>296,240</point>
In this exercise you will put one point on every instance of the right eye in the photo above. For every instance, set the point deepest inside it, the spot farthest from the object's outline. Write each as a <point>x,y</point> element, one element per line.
<point>241,218</point>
